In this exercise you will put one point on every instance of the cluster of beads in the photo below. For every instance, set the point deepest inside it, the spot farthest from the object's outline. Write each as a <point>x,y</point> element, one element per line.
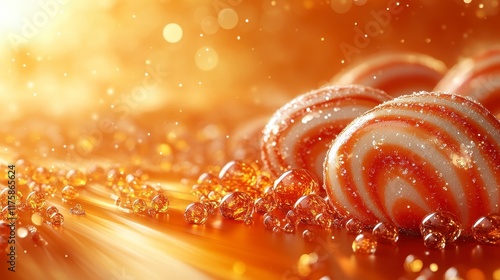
<point>241,191</point>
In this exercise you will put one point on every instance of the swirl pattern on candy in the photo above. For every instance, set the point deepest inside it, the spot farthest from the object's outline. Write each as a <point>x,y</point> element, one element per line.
<point>414,155</point>
<point>299,134</point>
<point>395,73</point>
<point>477,77</point>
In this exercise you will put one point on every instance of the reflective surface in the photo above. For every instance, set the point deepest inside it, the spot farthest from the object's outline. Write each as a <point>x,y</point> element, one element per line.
<point>179,88</point>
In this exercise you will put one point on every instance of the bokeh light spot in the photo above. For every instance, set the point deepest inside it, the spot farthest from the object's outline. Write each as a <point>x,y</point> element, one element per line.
<point>172,33</point>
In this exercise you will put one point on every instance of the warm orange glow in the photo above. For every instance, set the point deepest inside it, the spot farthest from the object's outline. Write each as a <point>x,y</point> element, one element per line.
<point>167,90</point>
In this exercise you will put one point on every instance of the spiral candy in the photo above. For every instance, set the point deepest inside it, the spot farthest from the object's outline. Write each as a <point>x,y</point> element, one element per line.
<point>414,155</point>
<point>299,134</point>
<point>395,73</point>
<point>477,77</point>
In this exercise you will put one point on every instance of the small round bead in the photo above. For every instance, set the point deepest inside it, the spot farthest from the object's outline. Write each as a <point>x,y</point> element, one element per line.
<point>139,206</point>
<point>308,206</point>
<point>236,206</point>
<point>308,235</point>
<point>160,203</point>
<point>292,218</point>
<point>57,219</point>
<point>236,174</point>
<point>35,200</point>
<point>442,222</point>
<point>385,232</point>
<point>292,185</point>
<point>41,175</point>
<point>77,210</point>
<point>76,178</point>
<point>364,244</point>
<point>289,228</point>
<point>147,191</point>
<point>196,213</point>
<point>435,240</point>
<point>264,205</point>
<point>324,220</point>
<point>487,229</point>
<point>354,226</point>
<point>69,193</point>
<point>271,222</point>
<point>51,210</point>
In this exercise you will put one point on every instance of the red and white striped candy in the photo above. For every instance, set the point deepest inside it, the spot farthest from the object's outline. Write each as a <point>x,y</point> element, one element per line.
<point>477,77</point>
<point>300,133</point>
<point>414,155</point>
<point>395,73</point>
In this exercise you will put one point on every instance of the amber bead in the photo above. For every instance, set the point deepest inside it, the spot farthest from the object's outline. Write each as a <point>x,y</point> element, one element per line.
<point>236,206</point>
<point>196,213</point>
<point>292,185</point>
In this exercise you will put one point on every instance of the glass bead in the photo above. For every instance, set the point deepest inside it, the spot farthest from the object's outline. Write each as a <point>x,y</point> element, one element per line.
<point>76,178</point>
<point>151,212</point>
<point>292,185</point>
<point>51,210</point>
<point>248,220</point>
<point>211,205</point>
<point>49,189</point>
<point>354,226</point>
<point>147,191</point>
<point>35,200</point>
<point>196,213</point>
<point>289,228</point>
<point>385,232</point>
<point>236,174</point>
<point>69,193</point>
<point>292,218</point>
<point>57,219</point>
<point>487,229</point>
<point>364,244</point>
<point>236,206</point>
<point>308,206</point>
<point>442,222</point>
<point>308,235</point>
<point>435,240</point>
<point>77,210</point>
<point>139,206</point>
<point>276,229</point>
<point>160,203</point>
<point>263,205</point>
<point>41,175</point>
<point>324,220</point>
<point>271,222</point>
